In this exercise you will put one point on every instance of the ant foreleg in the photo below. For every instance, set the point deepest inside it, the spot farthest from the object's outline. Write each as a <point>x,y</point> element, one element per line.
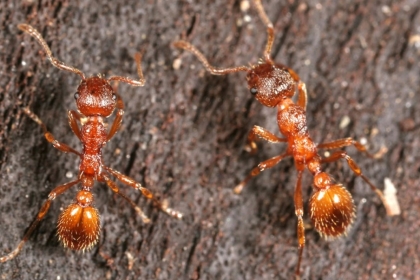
<point>299,213</point>
<point>50,138</point>
<point>257,170</point>
<point>356,170</point>
<point>303,95</point>
<point>73,118</point>
<point>137,83</point>
<point>302,100</point>
<point>118,118</point>
<point>345,142</point>
<point>145,192</point>
<point>190,48</point>
<point>116,190</point>
<point>263,134</point>
<point>41,214</point>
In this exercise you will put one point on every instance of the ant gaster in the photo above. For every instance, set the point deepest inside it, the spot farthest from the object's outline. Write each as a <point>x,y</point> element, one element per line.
<point>78,225</point>
<point>331,206</point>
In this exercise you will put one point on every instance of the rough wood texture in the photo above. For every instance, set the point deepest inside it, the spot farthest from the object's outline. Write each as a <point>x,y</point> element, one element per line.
<point>183,136</point>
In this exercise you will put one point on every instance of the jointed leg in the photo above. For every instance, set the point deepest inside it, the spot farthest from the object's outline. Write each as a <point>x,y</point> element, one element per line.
<point>303,95</point>
<point>73,118</point>
<point>257,170</point>
<point>116,190</point>
<point>50,138</point>
<point>356,169</point>
<point>215,71</point>
<point>145,192</point>
<point>42,212</point>
<point>345,142</point>
<point>263,134</point>
<point>118,118</point>
<point>299,213</point>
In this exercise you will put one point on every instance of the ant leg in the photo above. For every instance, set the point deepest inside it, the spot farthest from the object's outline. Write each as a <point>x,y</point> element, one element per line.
<point>303,95</point>
<point>341,143</point>
<point>116,190</point>
<point>356,170</point>
<point>137,83</point>
<point>299,213</point>
<point>263,134</point>
<point>54,61</point>
<point>145,192</point>
<point>42,212</point>
<point>215,71</point>
<point>257,170</point>
<point>73,118</point>
<point>118,118</point>
<point>50,138</point>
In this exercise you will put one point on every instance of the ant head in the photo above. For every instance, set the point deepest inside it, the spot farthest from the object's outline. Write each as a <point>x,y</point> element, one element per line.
<point>331,207</point>
<point>78,225</point>
<point>95,96</point>
<point>270,83</point>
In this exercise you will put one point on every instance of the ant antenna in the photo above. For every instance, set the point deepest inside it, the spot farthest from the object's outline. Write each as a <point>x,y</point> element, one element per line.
<point>55,62</point>
<point>270,31</point>
<point>213,70</point>
<point>136,83</point>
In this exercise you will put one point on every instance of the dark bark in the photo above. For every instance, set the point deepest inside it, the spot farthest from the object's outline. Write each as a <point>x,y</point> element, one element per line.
<point>183,136</point>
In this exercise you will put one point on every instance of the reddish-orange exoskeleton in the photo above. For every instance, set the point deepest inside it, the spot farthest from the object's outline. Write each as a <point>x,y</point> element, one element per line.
<point>78,225</point>
<point>331,206</point>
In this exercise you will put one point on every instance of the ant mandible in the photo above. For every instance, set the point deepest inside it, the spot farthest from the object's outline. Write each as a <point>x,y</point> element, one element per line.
<point>78,225</point>
<point>331,206</point>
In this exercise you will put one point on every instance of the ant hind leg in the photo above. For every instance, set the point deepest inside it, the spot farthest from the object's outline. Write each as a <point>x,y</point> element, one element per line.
<point>345,142</point>
<point>116,190</point>
<point>145,192</point>
<point>41,214</point>
<point>299,214</point>
<point>356,170</point>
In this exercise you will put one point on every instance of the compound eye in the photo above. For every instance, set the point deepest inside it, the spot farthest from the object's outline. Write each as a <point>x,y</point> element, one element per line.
<point>76,95</point>
<point>254,91</point>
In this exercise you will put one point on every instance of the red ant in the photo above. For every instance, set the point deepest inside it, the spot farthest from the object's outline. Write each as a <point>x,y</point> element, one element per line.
<point>331,206</point>
<point>78,225</point>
